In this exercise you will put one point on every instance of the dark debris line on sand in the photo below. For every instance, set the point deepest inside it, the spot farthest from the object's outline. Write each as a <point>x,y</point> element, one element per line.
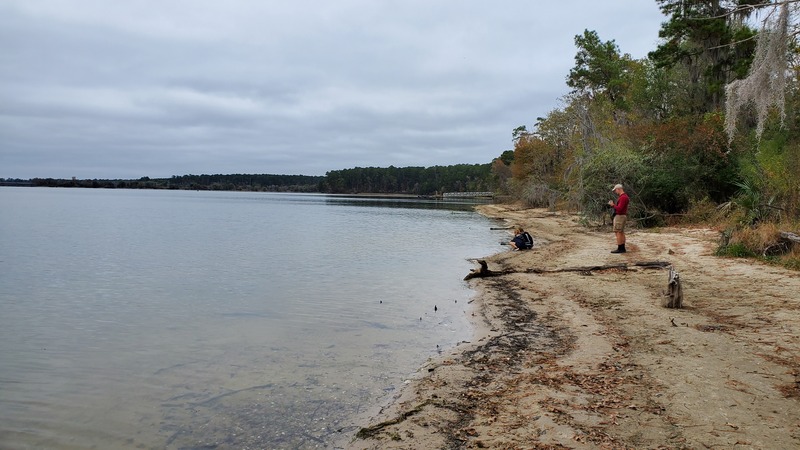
<point>489,361</point>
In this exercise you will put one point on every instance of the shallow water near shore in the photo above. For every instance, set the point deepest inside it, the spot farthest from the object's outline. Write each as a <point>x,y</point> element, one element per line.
<point>174,319</point>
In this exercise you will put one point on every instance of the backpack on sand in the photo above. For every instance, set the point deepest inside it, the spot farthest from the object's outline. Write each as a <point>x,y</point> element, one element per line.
<point>527,240</point>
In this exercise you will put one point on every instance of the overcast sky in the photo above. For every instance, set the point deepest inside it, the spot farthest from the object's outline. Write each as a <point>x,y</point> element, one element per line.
<point>132,88</point>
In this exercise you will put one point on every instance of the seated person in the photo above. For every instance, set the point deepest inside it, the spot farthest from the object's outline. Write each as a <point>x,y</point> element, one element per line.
<point>522,240</point>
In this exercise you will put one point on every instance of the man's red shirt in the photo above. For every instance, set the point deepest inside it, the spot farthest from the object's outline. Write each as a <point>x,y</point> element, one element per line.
<point>621,208</point>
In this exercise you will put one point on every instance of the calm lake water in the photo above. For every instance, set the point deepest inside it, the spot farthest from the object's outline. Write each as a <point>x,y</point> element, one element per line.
<point>175,319</point>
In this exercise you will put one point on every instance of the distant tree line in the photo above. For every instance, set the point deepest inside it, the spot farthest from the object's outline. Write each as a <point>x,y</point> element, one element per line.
<point>410,180</point>
<point>235,182</point>
<point>264,182</point>
<point>387,180</point>
<point>14,182</point>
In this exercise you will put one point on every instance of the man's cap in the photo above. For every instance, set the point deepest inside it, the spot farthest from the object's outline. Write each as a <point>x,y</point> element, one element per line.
<point>618,186</point>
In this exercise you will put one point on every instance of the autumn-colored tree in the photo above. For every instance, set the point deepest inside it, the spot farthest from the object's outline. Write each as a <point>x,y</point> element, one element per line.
<point>533,157</point>
<point>501,167</point>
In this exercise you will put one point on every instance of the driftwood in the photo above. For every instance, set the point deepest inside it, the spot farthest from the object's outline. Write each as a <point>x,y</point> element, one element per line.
<point>789,236</point>
<point>674,295</point>
<point>784,244</point>
<point>673,298</point>
<point>621,266</point>
<point>483,271</point>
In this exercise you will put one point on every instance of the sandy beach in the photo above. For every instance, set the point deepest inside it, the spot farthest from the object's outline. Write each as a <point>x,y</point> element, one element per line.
<point>590,358</point>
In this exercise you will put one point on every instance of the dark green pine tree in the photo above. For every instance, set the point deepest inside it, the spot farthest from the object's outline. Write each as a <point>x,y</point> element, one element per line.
<point>710,41</point>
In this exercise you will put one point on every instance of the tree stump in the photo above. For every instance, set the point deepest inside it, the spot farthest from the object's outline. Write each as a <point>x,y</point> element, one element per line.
<point>484,271</point>
<point>674,295</point>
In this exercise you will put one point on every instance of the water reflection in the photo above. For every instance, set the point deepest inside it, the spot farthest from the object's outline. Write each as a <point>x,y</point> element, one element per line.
<point>454,204</point>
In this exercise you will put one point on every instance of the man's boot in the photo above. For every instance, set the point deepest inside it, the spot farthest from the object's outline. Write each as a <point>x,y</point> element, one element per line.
<point>620,249</point>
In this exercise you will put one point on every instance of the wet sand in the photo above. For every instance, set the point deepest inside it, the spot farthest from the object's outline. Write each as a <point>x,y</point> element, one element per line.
<point>590,359</point>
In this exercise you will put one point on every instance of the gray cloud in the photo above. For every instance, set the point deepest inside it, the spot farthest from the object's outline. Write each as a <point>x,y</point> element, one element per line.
<point>99,89</point>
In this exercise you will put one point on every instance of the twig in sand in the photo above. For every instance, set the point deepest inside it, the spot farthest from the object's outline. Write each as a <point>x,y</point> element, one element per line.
<point>370,431</point>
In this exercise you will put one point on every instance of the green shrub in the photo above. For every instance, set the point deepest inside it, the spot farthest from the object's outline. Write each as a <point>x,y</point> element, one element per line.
<point>735,250</point>
<point>616,163</point>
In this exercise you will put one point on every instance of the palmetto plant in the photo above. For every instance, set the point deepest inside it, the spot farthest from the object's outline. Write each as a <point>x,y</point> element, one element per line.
<point>753,203</point>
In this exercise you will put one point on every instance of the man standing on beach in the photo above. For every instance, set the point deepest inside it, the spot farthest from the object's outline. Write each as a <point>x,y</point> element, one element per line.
<point>621,209</point>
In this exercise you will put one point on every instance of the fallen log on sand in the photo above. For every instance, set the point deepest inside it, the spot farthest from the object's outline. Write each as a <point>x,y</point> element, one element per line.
<point>783,245</point>
<point>673,298</point>
<point>483,271</point>
<point>789,236</point>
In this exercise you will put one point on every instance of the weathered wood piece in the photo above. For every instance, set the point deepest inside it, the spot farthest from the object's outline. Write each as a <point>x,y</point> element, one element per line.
<point>674,295</point>
<point>789,236</point>
<point>483,271</point>
<point>784,244</point>
<point>622,266</point>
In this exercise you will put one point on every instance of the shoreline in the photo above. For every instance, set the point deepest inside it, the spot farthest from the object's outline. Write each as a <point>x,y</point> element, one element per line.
<point>388,405</point>
<point>592,360</point>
